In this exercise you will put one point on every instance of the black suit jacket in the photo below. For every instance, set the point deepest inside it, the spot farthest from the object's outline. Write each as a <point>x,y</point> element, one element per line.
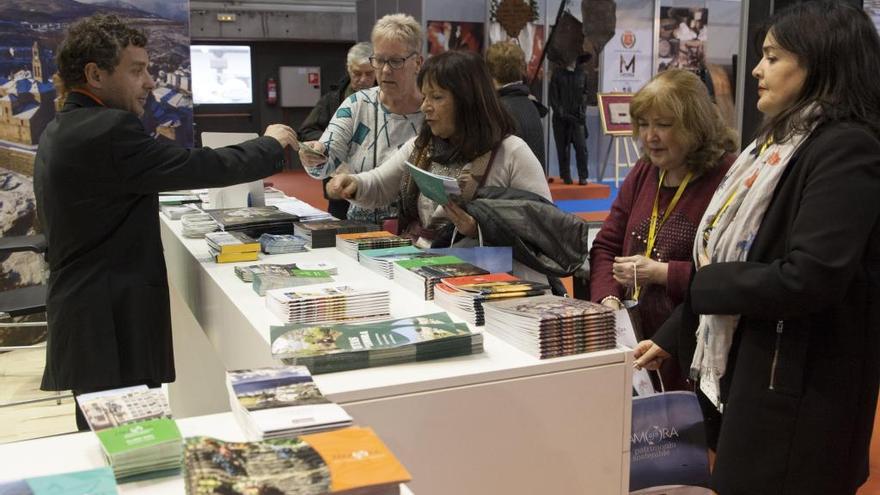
<point>803,376</point>
<point>96,178</point>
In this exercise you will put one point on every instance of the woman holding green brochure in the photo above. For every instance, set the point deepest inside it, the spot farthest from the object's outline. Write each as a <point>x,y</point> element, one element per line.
<point>467,135</point>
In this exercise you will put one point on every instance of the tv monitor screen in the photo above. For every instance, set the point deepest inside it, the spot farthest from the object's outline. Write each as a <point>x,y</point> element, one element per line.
<point>221,74</point>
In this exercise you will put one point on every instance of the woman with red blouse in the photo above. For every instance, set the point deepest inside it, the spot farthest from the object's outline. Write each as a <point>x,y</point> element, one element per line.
<point>649,233</point>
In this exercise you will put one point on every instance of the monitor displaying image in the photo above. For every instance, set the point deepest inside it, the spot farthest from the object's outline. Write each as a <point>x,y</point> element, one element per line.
<point>221,74</point>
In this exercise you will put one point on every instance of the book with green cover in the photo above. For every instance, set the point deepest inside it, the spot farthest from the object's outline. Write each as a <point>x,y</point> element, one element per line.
<point>273,279</point>
<point>435,187</point>
<point>329,348</point>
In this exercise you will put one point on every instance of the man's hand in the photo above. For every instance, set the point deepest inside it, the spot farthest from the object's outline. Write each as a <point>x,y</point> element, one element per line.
<point>312,154</point>
<point>465,223</point>
<point>648,355</point>
<point>283,134</point>
<point>342,186</point>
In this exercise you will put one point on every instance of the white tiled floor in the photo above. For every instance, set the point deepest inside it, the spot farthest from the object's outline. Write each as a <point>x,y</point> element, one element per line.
<point>20,373</point>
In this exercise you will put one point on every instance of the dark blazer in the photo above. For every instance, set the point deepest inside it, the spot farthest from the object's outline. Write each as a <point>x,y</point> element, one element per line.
<point>96,176</point>
<point>801,387</point>
<point>527,112</point>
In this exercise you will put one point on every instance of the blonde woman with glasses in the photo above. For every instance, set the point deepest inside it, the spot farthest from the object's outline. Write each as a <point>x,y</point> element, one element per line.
<point>372,124</point>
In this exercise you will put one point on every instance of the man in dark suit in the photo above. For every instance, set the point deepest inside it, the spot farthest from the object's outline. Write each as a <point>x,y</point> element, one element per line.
<point>96,177</point>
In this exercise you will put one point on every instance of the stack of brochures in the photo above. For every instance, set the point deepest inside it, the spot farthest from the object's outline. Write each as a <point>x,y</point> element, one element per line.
<point>135,429</point>
<point>196,225</point>
<point>303,210</point>
<point>325,303</point>
<point>346,461</point>
<point>278,277</point>
<point>174,212</point>
<point>382,261</point>
<point>419,275</point>
<point>230,247</point>
<point>94,481</point>
<point>352,244</point>
<point>332,348</point>
<point>282,243</point>
<point>281,403</point>
<point>254,220</point>
<point>464,296</point>
<point>551,326</point>
<point>322,233</point>
<point>246,273</point>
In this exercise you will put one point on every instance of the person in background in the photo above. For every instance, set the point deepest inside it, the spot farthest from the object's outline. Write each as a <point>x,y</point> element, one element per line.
<point>372,124</point>
<point>97,174</point>
<point>569,119</point>
<point>507,65</point>
<point>781,321</point>
<point>359,75</point>
<point>686,150</point>
<point>467,134</point>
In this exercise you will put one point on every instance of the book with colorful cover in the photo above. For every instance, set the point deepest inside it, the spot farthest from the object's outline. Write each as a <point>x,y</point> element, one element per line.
<point>348,460</point>
<point>250,216</point>
<point>281,402</point>
<point>231,242</point>
<point>275,279</point>
<point>437,188</point>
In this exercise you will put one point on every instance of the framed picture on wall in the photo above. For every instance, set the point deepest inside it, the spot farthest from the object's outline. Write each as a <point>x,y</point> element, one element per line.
<point>614,113</point>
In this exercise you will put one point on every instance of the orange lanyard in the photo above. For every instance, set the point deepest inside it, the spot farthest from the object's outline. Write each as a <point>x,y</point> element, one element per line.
<point>657,222</point>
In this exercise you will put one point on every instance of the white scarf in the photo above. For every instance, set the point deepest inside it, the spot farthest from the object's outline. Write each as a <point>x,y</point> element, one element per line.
<point>740,203</point>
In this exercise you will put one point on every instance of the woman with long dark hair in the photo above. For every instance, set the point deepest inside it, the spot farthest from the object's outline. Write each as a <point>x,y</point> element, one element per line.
<point>467,134</point>
<point>781,323</point>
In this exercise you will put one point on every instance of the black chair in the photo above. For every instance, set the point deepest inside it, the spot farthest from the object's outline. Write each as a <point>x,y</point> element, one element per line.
<point>24,301</point>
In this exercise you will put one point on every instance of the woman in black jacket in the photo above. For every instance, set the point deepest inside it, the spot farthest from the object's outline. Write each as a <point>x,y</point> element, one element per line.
<point>781,325</point>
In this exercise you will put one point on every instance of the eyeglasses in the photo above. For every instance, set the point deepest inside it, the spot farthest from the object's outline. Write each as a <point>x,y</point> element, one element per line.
<point>394,62</point>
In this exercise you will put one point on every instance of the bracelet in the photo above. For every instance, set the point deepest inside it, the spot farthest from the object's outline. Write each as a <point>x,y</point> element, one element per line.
<point>613,298</point>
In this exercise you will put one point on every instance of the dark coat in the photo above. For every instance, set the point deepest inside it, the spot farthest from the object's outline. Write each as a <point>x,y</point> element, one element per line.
<point>527,112</point>
<point>801,387</point>
<point>96,176</point>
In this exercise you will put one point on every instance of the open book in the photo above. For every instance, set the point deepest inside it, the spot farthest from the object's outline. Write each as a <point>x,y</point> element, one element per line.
<point>437,188</point>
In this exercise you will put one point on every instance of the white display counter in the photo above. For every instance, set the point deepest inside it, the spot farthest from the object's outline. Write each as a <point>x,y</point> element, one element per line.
<point>497,422</point>
<point>82,451</point>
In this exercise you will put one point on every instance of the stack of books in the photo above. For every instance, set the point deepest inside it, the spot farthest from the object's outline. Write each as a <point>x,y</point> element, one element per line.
<point>230,247</point>
<point>281,403</point>
<point>254,220</point>
<point>419,275</point>
<point>352,244</point>
<point>552,326</point>
<point>322,233</point>
<point>174,212</point>
<point>324,303</point>
<point>196,225</point>
<point>274,277</point>
<point>332,348</point>
<point>282,243</point>
<point>246,273</point>
<point>135,429</point>
<point>382,261</point>
<point>98,481</point>
<point>350,461</point>
<point>303,210</point>
<point>464,296</point>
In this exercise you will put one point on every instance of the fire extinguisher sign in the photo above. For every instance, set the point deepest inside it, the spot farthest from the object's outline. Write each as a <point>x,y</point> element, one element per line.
<point>314,79</point>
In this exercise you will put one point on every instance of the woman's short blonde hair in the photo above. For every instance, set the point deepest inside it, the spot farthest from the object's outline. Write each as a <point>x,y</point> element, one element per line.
<point>399,27</point>
<point>506,62</point>
<point>681,95</point>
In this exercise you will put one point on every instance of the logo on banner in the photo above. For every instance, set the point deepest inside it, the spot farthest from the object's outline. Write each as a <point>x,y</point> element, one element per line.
<point>628,39</point>
<point>628,66</point>
<point>314,78</point>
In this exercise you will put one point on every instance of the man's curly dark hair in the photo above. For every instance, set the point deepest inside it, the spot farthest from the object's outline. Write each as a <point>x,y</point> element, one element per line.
<point>99,39</point>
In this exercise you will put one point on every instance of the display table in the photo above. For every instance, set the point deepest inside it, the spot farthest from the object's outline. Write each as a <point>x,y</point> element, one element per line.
<point>497,422</point>
<point>81,451</point>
